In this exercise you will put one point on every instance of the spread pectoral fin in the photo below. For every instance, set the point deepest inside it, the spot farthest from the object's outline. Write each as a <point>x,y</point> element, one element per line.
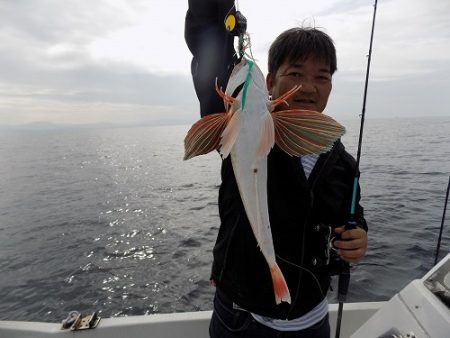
<point>303,132</point>
<point>204,135</point>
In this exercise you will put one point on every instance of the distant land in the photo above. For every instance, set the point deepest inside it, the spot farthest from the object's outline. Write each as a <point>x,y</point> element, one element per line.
<point>60,126</point>
<point>47,126</point>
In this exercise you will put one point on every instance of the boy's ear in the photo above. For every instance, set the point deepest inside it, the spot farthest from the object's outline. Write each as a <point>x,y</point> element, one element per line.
<point>269,82</point>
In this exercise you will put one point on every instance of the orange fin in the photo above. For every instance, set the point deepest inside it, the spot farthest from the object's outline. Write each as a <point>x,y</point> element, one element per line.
<point>204,135</point>
<point>303,132</point>
<point>279,285</point>
<point>230,133</point>
<point>267,137</point>
<point>283,98</point>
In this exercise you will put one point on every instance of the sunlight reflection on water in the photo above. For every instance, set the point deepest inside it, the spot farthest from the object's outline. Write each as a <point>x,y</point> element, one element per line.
<point>114,220</point>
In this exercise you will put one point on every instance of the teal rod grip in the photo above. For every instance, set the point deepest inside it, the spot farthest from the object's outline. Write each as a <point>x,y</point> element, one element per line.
<point>355,189</point>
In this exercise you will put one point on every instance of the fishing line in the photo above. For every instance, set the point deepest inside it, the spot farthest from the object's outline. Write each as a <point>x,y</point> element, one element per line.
<point>344,276</point>
<point>442,224</point>
<point>230,20</point>
<point>304,269</point>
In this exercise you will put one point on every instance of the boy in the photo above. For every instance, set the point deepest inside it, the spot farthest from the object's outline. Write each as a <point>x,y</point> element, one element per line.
<point>306,195</point>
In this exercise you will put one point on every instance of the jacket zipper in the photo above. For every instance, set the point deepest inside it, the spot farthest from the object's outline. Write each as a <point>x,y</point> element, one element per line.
<point>305,223</point>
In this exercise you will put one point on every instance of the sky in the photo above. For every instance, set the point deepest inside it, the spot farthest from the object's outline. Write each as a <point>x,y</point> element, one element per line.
<point>83,62</point>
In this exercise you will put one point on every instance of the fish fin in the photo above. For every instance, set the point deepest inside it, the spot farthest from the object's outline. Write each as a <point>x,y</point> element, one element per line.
<point>302,132</point>
<point>204,135</point>
<point>283,98</point>
<point>279,285</point>
<point>267,137</point>
<point>230,133</point>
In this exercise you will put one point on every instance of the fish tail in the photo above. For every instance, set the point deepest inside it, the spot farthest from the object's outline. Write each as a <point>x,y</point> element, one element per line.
<point>279,285</point>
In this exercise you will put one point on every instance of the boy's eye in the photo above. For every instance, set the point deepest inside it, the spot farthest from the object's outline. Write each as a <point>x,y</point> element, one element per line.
<point>317,77</point>
<point>323,77</point>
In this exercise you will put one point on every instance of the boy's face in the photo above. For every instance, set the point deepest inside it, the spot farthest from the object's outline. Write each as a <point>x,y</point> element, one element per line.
<point>314,77</point>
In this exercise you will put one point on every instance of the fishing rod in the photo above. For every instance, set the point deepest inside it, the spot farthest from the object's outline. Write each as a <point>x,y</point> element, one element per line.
<point>344,276</point>
<point>442,223</point>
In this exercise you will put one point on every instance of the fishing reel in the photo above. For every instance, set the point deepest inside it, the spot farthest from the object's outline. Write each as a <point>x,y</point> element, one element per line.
<point>236,23</point>
<point>328,255</point>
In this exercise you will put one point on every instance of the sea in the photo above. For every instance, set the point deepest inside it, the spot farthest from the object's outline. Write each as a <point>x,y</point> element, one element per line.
<point>113,220</point>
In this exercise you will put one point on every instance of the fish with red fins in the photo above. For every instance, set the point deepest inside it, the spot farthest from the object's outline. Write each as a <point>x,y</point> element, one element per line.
<point>247,130</point>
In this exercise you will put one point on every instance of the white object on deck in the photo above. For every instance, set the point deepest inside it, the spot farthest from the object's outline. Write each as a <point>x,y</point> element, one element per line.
<point>415,310</point>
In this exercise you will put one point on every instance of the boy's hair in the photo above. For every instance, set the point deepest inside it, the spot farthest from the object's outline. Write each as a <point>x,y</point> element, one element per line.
<point>300,43</point>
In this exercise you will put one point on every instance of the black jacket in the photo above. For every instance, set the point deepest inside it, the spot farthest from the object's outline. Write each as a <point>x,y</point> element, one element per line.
<point>299,208</point>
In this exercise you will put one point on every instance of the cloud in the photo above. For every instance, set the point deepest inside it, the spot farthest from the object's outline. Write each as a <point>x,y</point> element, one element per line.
<point>81,61</point>
<point>409,96</point>
<point>52,21</point>
<point>91,81</point>
<point>90,88</point>
<point>75,86</point>
<point>49,72</point>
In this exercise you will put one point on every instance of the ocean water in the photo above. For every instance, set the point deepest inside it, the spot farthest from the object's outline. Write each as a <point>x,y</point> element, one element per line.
<point>114,220</point>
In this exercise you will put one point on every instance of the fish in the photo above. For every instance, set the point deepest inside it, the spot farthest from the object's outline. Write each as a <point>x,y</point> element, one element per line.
<point>247,130</point>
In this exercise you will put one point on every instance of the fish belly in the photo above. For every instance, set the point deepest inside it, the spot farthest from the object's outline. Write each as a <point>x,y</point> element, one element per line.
<point>251,177</point>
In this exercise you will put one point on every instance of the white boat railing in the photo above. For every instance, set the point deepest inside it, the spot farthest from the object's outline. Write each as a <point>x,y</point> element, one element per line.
<point>173,325</point>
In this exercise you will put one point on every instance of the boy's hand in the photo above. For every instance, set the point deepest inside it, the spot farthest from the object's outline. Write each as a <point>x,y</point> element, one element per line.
<point>352,245</point>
